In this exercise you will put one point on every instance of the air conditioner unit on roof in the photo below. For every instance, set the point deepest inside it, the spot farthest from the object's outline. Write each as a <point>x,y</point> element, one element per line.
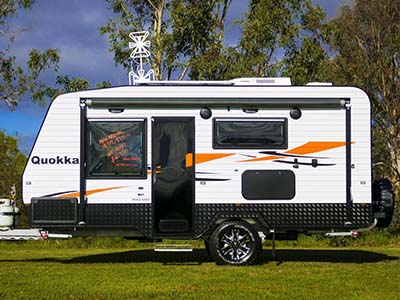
<point>262,81</point>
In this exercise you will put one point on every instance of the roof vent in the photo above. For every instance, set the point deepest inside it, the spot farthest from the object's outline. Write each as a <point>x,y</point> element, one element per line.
<point>262,81</point>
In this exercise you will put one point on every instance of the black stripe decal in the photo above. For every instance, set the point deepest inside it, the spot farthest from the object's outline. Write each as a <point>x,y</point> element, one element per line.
<point>212,179</point>
<point>303,163</point>
<point>290,155</point>
<point>206,173</point>
<point>247,155</point>
<point>56,194</point>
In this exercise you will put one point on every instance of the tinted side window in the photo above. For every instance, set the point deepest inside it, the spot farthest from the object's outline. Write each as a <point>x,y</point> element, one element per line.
<point>268,184</point>
<point>115,149</point>
<point>250,133</point>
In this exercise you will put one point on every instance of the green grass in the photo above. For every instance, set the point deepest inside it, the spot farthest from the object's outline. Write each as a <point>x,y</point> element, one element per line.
<point>120,273</point>
<point>372,239</point>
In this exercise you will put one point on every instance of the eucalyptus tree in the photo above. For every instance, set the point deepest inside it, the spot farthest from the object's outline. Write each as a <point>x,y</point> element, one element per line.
<point>277,38</point>
<point>12,163</point>
<point>181,31</point>
<point>17,80</point>
<point>365,39</point>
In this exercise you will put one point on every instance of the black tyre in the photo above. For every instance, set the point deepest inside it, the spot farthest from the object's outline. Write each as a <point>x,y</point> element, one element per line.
<point>383,202</point>
<point>207,246</point>
<point>235,243</point>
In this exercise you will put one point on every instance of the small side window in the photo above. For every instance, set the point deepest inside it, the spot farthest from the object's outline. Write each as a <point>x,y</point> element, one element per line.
<point>268,185</point>
<point>250,133</point>
<point>115,149</point>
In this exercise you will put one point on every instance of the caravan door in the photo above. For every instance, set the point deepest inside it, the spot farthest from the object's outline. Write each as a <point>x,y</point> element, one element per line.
<point>173,175</point>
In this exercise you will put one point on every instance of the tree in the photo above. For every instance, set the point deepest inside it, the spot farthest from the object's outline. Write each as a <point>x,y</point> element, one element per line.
<point>181,31</point>
<point>15,82</point>
<point>365,39</point>
<point>306,59</point>
<point>188,38</point>
<point>66,84</point>
<point>12,163</point>
<point>278,38</point>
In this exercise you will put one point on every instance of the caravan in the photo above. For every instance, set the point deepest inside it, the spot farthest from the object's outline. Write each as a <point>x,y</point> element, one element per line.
<point>230,162</point>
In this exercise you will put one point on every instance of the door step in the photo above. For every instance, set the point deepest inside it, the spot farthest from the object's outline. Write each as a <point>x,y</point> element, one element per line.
<point>29,234</point>
<point>173,247</point>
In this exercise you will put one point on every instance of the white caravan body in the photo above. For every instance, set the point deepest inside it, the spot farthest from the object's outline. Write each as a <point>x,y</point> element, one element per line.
<point>173,160</point>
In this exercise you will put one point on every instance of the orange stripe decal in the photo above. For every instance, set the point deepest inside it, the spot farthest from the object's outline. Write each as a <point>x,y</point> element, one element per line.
<point>272,157</point>
<point>189,160</point>
<point>205,157</point>
<point>312,147</point>
<point>77,194</point>
<point>307,148</point>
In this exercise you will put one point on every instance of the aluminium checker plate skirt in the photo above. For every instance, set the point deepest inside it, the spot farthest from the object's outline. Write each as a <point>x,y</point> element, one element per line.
<point>288,216</point>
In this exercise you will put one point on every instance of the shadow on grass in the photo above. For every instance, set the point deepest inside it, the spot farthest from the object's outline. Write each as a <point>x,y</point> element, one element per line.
<point>199,256</point>
<point>329,255</point>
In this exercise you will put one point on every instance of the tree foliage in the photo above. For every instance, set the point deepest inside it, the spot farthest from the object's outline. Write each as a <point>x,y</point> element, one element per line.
<point>12,163</point>
<point>273,29</point>
<point>16,80</point>
<point>365,39</point>
<point>66,84</point>
<point>305,61</point>
<point>277,38</point>
<point>188,38</point>
<point>9,8</point>
<point>181,31</point>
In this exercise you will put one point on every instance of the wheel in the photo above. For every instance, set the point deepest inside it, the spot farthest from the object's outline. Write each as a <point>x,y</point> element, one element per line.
<point>383,202</point>
<point>235,243</point>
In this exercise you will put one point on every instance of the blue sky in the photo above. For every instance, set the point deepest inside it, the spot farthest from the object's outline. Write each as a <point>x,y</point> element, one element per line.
<point>72,27</point>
